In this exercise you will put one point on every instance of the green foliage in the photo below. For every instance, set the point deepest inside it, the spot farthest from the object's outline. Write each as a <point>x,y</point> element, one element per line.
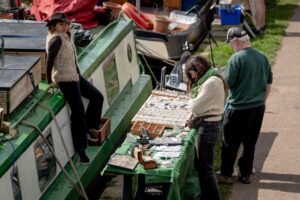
<point>277,17</point>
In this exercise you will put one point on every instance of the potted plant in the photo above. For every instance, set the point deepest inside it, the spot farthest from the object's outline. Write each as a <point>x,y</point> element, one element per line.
<point>161,23</point>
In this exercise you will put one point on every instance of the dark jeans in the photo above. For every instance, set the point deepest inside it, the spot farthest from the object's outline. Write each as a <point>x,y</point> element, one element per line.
<point>207,136</point>
<point>240,127</point>
<point>82,121</point>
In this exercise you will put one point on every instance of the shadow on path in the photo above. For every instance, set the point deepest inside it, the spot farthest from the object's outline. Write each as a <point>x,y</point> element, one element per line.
<point>282,182</point>
<point>262,180</point>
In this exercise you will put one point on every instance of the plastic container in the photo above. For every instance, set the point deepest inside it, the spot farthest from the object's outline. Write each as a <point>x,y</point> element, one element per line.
<point>230,16</point>
<point>161,24</point>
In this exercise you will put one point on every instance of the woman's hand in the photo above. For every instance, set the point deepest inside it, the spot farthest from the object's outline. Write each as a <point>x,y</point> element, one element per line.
<point>53,85</point>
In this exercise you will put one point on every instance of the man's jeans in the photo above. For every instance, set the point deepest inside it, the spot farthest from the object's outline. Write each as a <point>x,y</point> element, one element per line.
<point>207,136</point>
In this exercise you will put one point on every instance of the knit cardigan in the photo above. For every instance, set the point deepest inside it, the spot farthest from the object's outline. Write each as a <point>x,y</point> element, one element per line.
<point>210,100</point>
<point>65,63</point>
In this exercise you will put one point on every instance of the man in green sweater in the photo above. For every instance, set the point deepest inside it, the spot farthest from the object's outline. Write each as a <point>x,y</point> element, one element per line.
<point>249,78</point>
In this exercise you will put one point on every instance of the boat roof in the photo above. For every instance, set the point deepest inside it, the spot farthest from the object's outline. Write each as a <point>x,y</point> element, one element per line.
<point>25,35</point>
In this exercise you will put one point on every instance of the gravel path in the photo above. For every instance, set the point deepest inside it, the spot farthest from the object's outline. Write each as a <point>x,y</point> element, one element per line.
<point>277,160</point>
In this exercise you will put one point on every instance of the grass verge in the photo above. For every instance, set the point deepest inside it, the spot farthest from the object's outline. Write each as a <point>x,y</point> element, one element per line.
<point>278,14</point>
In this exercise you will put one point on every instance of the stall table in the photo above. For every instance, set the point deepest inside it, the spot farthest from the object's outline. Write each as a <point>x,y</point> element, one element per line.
<point>180,176</point>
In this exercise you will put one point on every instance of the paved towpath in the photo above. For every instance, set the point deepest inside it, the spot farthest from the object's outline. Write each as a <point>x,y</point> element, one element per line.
<point>277,160</point>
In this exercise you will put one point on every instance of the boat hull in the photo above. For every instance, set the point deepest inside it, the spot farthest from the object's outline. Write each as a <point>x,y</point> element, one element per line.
<point>170,46</point>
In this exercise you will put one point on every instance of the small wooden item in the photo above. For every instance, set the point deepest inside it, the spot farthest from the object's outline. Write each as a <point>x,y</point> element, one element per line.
<point>103,133</point>
<point>154,130</point>
<point>19,76</point>
<point>147,161</point>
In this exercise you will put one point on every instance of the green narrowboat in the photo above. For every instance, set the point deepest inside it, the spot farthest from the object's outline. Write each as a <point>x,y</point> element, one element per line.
<point>28,169</point>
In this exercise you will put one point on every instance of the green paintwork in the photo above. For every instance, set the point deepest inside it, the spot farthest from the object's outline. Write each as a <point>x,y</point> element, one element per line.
<point>121,113</point>
<point>88,58</point>
<point>28,110</point>
<point>103,45</point>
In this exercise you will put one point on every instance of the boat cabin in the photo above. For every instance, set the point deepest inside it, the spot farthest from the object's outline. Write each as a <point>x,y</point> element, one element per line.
<point>28,169</point>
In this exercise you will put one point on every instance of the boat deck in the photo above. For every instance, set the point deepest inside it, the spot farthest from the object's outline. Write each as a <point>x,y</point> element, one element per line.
<point>120,114</point>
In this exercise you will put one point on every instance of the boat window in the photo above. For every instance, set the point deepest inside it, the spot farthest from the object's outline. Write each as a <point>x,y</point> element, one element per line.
<point>45,161</point>
<point>15,182</point>
<point>111,79</point>
<point>129,52</point>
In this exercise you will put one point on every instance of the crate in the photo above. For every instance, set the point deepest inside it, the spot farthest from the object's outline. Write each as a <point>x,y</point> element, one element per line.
<point>104,131</point>
<point>230,16</point>
<point>154,130</point>
<point>16,76</point>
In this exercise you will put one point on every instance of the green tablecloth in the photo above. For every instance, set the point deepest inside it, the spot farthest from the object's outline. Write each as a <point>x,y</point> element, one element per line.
<point>182,174</point>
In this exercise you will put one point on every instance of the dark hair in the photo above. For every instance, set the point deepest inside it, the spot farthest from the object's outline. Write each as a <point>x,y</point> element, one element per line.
<point>200,65</point>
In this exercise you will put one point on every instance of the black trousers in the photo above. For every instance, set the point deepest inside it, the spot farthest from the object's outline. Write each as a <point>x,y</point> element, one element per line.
<point>240,127</point>
<point>82,121</point>
<point>207,136</point>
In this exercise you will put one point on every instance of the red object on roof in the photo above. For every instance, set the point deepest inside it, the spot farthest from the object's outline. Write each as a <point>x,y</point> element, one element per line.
<point>80,11</point>
<point>140,19</point>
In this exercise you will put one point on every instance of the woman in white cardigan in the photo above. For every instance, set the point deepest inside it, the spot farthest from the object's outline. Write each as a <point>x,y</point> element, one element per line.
<point>207,104</point>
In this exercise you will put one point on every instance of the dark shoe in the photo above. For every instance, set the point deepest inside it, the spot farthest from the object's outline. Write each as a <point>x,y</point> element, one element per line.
<point>83,159</point>
<point>245,179</point>
<point>228,180</point>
